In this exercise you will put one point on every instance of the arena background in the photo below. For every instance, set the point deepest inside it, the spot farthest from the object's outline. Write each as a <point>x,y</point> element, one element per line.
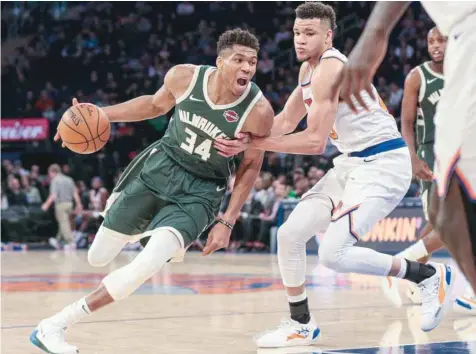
<point>106,53</point>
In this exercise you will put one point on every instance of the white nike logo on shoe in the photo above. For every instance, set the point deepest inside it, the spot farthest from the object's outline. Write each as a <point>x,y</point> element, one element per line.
<point>195,99</point>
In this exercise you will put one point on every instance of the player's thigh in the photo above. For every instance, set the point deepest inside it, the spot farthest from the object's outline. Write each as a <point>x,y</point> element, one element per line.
<point>133,210</point>
<point>373,190</point>
<point>329,185</point>
<point>135,166</point>
<point>313,212</point>
<point>186,221</point>
<point>131,172</point>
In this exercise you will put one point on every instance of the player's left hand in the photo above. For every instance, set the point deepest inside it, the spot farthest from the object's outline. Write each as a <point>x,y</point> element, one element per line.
<point>57,136</point>
<point>218,238</point>
<point>359,70</point>
<point>229,148</point>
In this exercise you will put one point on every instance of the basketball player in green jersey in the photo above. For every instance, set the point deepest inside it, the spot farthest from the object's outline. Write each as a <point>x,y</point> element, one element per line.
<point>172,192</point>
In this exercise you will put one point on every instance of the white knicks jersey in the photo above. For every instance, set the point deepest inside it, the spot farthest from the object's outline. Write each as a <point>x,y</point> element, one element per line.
<point>355,132</point>
<point>447,14</point>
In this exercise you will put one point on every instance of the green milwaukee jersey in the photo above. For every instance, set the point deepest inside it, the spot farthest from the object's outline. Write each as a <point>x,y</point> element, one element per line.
<point>429,95</point>
<point>197,122</point>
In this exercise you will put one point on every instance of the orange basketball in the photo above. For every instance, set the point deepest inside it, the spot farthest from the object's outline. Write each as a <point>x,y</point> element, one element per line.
<point>84,128</point>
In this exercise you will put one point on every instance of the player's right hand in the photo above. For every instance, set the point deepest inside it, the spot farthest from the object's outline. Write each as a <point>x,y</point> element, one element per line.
<point>421,170</point>
<point>57,135</point>
<point>229,148</point>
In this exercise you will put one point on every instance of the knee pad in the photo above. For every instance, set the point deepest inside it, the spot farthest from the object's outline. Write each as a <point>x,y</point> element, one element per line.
<point>335,243</point>
<point>106,245</point>
<point>311,216</point>
<point>291,255</point>
<point>162,246</point>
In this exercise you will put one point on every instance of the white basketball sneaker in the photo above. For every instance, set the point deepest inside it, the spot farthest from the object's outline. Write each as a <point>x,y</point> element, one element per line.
<point>290,333</point>
<point>465,305</point>
<point>50,339</point>
<point>391,292</point>
<point>413,293</point>
<point>435,295</point>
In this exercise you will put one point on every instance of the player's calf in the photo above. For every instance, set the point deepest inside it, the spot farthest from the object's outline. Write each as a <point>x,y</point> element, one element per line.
<point>435,281</point>
<point>49,335</point>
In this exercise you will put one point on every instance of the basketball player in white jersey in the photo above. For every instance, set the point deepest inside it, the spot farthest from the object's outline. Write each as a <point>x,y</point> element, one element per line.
<point>453,204</point>
<point>368,181</point>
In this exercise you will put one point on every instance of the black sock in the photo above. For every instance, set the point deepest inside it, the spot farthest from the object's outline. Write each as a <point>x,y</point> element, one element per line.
<point>300,311</point>
<point>417,272</point>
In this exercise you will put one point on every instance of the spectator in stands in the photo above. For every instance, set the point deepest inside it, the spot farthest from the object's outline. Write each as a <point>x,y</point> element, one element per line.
<point>265,195</point>
<point>97,198</point>
<point>44,102</point>
<point>18,169</point>
<point>395,99</point>
<point>7,167</point>
<point>314,174</point>
<point>62,192</point>
<point>15,195</point>
<point>33,195</point>
<point>298,174</point>
<point>250,222</point>
<point>37,180</point>
<point>301,186</point>
<point>268,218</point>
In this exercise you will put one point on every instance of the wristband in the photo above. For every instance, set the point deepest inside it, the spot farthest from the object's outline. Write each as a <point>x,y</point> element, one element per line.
<point>226,223</point>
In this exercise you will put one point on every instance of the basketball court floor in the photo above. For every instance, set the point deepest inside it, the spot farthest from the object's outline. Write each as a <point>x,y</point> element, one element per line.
<point>214,304</point>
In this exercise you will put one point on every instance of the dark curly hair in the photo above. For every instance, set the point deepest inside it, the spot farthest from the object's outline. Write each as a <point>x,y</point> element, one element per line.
<point>239,37</point>
<point>319,10</point>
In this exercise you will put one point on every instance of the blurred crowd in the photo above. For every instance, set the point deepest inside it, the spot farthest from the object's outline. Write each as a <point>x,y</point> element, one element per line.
<point>105,53</point>
<point>24,189</point>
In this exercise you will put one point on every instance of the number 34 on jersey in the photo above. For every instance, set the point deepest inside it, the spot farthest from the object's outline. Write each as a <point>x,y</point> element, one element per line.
<point>193,143</point>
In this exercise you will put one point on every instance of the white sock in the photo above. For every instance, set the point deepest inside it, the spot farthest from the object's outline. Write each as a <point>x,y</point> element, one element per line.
<point>414,252</point>
<point>403,268</point>
<point>71,314</point>
<point>297,298</point>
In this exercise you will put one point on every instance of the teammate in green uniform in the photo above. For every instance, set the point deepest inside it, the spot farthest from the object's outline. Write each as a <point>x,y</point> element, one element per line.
<point>423,88</point>
<point>171,192</point>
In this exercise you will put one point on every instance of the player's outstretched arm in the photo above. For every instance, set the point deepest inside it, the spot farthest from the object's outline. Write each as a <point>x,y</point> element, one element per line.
<point>145,107</point>
<point>320,119</point>
<point>368,52</point>
<point>259,123</point>
<point>152,106</point>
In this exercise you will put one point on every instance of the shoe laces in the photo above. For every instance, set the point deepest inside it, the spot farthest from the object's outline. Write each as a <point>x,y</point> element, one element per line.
<point>429,291</point>
<point>285,324</point>
<point>57,334</point>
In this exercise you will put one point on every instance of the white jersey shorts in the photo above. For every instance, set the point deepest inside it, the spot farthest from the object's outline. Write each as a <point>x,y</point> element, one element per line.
<point>455,120</point>
<point>367,185</point>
